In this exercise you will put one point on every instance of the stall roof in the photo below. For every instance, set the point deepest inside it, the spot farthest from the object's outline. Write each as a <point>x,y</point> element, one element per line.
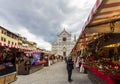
<point>106,17</point>
<point>4,44</point>
<point>107,12</point>
<point>95,7</point>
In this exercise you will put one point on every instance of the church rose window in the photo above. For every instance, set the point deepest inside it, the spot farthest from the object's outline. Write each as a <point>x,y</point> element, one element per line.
<point>64,39</point>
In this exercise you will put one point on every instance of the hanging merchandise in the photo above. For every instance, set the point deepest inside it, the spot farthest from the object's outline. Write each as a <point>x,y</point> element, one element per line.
<point>30,56</point>
<point>4,55</point>
<point>36,58</point>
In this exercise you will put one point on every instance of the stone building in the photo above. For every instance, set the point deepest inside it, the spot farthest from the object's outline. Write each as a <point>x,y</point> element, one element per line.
<point>64,44</point>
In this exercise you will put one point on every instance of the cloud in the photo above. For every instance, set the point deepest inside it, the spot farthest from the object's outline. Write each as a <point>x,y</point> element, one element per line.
<point>42,20</point>
<point>39,40</point>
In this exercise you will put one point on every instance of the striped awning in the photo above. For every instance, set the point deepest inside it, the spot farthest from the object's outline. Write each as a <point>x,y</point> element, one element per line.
<point>93,11</point>
<point>108,11</point>
<point>13,46</point>
<point>106,19</point>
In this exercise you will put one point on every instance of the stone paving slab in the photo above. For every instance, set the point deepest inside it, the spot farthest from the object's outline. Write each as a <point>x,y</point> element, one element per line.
<point>55,74</point>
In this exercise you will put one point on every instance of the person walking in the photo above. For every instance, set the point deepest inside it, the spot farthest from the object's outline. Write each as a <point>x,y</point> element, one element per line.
<point>69,68</point>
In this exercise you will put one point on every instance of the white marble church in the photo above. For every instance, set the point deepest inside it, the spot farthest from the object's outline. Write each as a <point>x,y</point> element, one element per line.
<point>64,44</point>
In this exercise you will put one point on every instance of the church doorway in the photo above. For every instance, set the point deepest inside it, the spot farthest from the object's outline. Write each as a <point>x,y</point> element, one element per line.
<point>64,51</point>
<point>64,54</point>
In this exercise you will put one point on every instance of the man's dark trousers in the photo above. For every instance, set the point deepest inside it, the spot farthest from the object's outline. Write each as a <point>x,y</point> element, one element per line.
<point>69,75</point>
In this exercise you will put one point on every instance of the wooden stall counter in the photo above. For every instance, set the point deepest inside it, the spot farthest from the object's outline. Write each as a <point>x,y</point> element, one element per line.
<point>37,66</point>
<point>23,70</point>
<point>8,78</point>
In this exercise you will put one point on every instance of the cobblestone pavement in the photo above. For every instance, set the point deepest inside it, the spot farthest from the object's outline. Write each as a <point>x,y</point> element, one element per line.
<point>55,74</point>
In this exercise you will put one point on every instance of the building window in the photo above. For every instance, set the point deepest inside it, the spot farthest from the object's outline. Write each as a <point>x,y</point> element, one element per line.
<point>2,39</point>
<point>5,32</point>
<point>2,31</point>
<point>19,43</point>
<point>12,43</point>
<point>8,42</point>
<point>64,53</point>
<point>64,39</point>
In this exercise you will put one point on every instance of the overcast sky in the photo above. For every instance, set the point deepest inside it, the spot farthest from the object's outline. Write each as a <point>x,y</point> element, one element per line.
<point>41,20</point>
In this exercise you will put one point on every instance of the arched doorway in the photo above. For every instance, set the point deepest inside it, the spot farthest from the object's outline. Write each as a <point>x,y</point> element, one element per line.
<point>64,51</point>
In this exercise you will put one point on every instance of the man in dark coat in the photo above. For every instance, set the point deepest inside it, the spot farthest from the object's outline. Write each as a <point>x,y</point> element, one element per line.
<point>69,68</point>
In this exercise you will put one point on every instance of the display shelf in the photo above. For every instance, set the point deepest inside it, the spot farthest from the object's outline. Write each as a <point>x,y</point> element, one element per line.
<point>98,77</point>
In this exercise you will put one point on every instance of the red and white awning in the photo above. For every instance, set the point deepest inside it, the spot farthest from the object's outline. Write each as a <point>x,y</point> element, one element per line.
<point>14,46</point>
<point>97,4</point>
<point>93,11</point>
<point>106,19</point>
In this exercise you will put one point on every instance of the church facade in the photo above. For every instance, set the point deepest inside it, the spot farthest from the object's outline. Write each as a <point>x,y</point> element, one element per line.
<point>64,44</point>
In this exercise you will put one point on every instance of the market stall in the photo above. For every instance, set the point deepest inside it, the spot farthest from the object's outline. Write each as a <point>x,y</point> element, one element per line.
<point>103,64</point>
<point>30,62</point>
<point>59,58</point>
<point>51,58</point>
<point>7,65</point>
<point>102,56</point>
<point>106,59</point>
<point>47,59</point>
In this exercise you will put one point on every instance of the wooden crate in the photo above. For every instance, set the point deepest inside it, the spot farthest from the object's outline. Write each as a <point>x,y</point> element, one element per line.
<point>2,80</point>
<point>10,78</point>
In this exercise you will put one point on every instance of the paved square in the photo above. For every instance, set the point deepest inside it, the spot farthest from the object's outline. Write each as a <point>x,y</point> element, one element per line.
<point>55,74</point>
